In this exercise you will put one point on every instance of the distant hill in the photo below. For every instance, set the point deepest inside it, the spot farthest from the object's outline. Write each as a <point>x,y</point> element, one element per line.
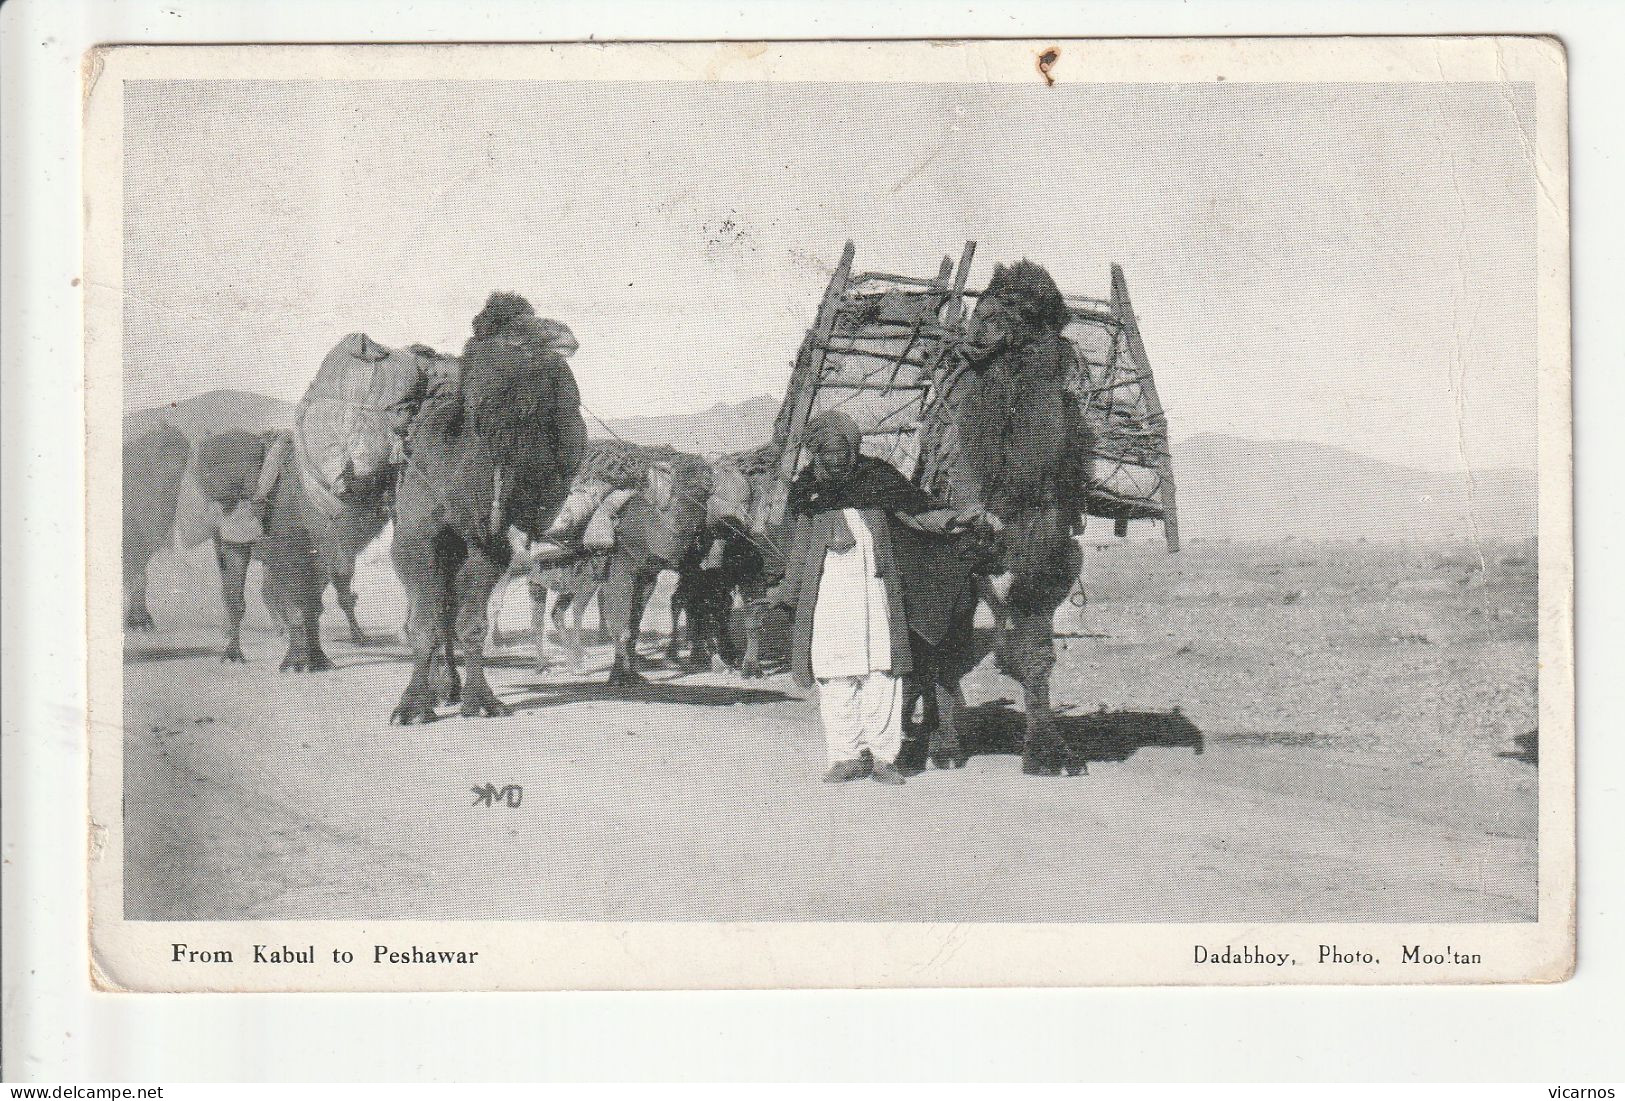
<point>723,427</point>
<point>1229,488</point>
<point>214,411</point>
<point>1232,488</point>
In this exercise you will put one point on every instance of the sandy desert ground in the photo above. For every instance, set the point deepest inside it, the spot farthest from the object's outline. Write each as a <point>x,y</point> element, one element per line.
<point>1352,742</point>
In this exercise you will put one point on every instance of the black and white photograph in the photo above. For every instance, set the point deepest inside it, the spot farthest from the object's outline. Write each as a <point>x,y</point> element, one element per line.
<point>881,514</point>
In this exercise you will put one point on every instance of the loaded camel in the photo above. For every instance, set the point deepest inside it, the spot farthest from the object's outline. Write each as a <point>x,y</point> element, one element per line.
<point>255,478</point>
<point>1003,434</point>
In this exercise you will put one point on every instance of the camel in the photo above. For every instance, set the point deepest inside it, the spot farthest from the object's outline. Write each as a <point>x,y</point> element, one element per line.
<point>1002,434</point>
<point>499,451</point>
<point>707,576</point>
<point>302,548</point>
<point>654,529</point>
<point>575,580</point>
<point>154,466</point>
<point>750,560</point>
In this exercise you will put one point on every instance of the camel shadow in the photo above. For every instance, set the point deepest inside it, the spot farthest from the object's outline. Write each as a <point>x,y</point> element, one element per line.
<point>700,695</point>
<point>1528,750</point>
<point>999,727</point>
<point>168,653</point>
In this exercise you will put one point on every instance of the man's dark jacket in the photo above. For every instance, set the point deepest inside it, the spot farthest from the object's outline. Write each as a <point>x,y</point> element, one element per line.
<point>929,578</point>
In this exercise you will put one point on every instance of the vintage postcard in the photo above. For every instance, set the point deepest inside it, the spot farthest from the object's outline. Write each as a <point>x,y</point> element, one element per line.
<point>742,515</point>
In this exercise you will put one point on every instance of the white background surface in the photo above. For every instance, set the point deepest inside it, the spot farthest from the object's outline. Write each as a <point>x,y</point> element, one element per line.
<point>57,1030</point>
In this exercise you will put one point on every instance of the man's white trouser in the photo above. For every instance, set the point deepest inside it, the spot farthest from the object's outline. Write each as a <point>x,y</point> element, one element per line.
<point>862,713</point>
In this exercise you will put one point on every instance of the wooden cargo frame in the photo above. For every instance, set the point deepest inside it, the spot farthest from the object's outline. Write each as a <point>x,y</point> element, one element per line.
<point>927,339</point>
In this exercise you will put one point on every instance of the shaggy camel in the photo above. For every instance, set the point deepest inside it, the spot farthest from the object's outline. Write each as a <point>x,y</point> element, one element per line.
<point>1002,434</point>
<point>500,451</point>
<point>154,467</point>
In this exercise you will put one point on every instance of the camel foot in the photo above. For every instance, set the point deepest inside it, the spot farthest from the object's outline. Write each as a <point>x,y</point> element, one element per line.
<point>234,654</point>
<point>306,663</point>
<point>481,702</point>
<point>751,670</point>
<point>621,677</point>
<point>139,621</point>
<point>1041,759</point>
<point>413,709</point>
<point>358,637</point>
<point>946,751</point>
<point>1031,766</point>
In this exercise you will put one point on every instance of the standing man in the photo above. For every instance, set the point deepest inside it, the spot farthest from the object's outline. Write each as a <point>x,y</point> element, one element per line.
<point>850,634</point>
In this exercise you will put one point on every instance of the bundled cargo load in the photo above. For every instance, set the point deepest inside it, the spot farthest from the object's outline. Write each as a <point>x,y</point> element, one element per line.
<point>612,472</point>
<point>882,350</point>
<point>230,477</point>
<point>346,427</point>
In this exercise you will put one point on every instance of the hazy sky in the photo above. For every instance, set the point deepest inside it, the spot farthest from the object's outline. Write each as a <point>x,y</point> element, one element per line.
<point>1346,264</point>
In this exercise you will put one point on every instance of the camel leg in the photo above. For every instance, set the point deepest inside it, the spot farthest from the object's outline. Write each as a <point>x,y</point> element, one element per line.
<point>681,603</point>
<point>912,755</point>
<point>347,602</point>
<point>293,587</point>
<point>642,587</point>
<point>606,636</point>
<point>750,666</point>
<point>538,621</point>
<point>719,627</point>
<point>474,583</point>
<point>233,560</point>
<point>310,620</point>
<point>136,615</point>
<point>622,598</point>
<point>1032,653</point>
<point>417,566</point>
<point>417,704</point>
<point>727,645</point>
<point>572,638</point>
<point>947,750</point>
<point>499,597</point>
<point>305,616</point>
<point>448,687</point>
<point>563,602</point>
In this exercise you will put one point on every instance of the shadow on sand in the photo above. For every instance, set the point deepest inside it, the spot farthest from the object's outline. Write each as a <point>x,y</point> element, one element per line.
<point>1528,750</point>
<point>653,691</point>
<point>999,727</point>
<point>139,654</point>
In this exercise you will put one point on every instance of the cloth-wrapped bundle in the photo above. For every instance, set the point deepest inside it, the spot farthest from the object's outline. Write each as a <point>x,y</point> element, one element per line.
<point>345,426</point>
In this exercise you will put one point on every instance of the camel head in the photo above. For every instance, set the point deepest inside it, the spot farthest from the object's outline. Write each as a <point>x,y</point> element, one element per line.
<point>1021,304</point>
<point>690,491</point>
<point>729,504</point>
<point>517,388</point>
